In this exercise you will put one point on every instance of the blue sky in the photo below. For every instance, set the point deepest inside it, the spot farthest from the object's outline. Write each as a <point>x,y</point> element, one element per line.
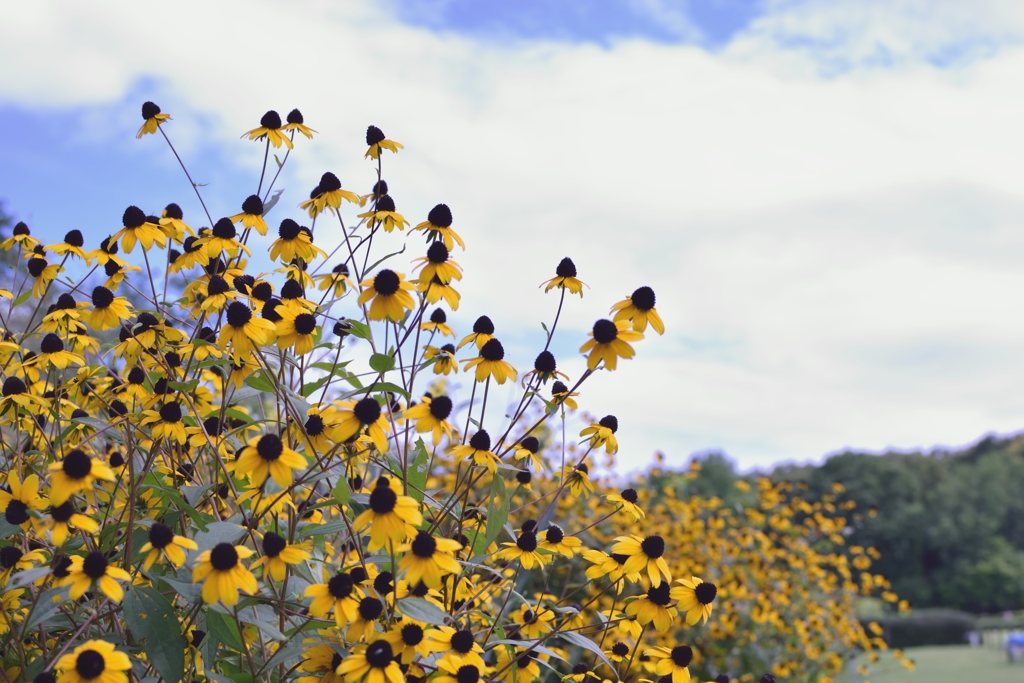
<point>824,194</point>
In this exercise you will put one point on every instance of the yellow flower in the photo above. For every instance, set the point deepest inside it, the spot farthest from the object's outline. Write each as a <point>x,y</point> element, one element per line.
<point>137,228</point>
<point>21,236</point>
<point>94,570</point>
<point>44,273</point>
<point>525,550</point>
<point>431,415</point>
<point>267,456</point>
<point>278,554</point>
<point>244,332</point>
<point>672,662</point>
<point>75,472</point>
<point>354,416</point>
<point>94,661</point>
<point>555,540</point>
<point>223,574</point>
<point>72,245</point>
<point>391,516</point>
<point>16,394</point>
<point>296,122</point>
<point>428,559</point>
<point>108,311</point>
<point>52,352</point>
<point>339,595</point>
<point>534,623</point>
<point>338,279</point>
<point>639,309</point>
<point>154,117</point>
<point>644,553</point>
<point>654,607</point>
<point>164,543</point>
<point>384,215</point>
<point>294,241</point>
<point>23,497</point>
<point>445,355</point>
<point>565,278</point>
<point>320,659</point>
<point>408,639</point>
<point>437,264</point>
<point>270,128</point>
<point>438,322</point>
<point>460,670</point>
<point>479,451</point>
<point>166,422</point>
<point>295,330</point>
<point>374,663</point>
<point>608,342</point>
<point>578,479</point>
<point>439,226</point>
<point>491,363</point>
<point>62,520</point>
<point>172,225</point>
<point>390,296</point>
<point>377,141</point>
<point>602,433</point>
<point>252,215</point>
<point>627,499</point>
<point>222,239</point>
<point>695,597</point>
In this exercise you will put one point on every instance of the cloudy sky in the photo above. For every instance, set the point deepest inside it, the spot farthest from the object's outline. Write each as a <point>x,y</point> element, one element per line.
<point>826,196</point>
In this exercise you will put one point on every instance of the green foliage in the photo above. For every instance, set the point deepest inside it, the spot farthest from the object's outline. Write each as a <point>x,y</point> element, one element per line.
<point>928,627</point>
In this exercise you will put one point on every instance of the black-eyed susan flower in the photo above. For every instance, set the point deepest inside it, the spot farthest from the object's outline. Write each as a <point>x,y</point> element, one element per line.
<point>478,450</point>
<point>252,215</point>
<point>166,423</point>
<point>456,669</point>
<point>534,622</point>
<point>117,273</point>
<point>525,550</point>
<point>63,520</point>
<point>438,323</point>
<point>278,553</point>
<point>373,663</point>
<point>108,311</point>
<point>409,639</point>
<point>21,236</point>
<point>627,502</point>
<point>565,278</point>
<point>653,607</point>
<point>695,597</point>
<point>527,449</point>
<point>72,244</point>
<point>609,341</point>
<point>445,356</point>
<point>544,368</point>
<point>296,122</point>
<point>195,252</point>
<point>153,118</point>
<point>638,308</point>
<point>367,615</point>
<point>431,415</point>
<point>391,516</point>
<point>94,661</point>
<point>94,572</point>
<point>268,456</point>
<point>377,141</point>
<point>331,194</point>
<point>223,574</point>
<point>429,559</point>
<point>321,660</point>
<point>106,252</point>
<point>75,472</point>
<point>458,642</point>
<point>555,540</point>
<point>296,330</point>
<point>43,273</point>
<point>15,395</point>
<point>560,395</point>
<point>437,264</point>
<point>577,478</point>
<point>137,228</point>
<point>602,433</point>
<point>270,128</point>
<point>222,239</point>
<point>22,498</point>
<point>647,552</point>
<point>491,363</point>
<point>294,241</point>
<point>435,291</point>
<point>172,223</point>
<point>672,662</point>
<point>389,295</point>
<point>618,651</point>
<point>483,332</point>
<point>355,416</point>
<point>439,226</point>
<point>243,332</point>
<point>337,279</point>
<point>163,543</point>
<point>581,671</point>
<point>339,595</point>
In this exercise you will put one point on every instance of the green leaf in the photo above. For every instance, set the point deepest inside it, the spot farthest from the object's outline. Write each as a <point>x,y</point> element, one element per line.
<point>23,298</point>
<point>497,512</point>
<point>218,532</point>
<point>7,529</point>
<point>46,606</point>
<point>270,203</point>
<point>417,474</point>
<point>422,610</point>
<point>224,630</point>
<point>388,386</point>
<point>361,330</point>
<point>381,362</point>
<point>186,387</point>
<point>341,492</point>
<point>258,381</point>
<point>581,640</point>
<point>152,620</point>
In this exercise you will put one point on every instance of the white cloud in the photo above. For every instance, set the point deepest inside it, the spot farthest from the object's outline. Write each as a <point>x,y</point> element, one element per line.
<point>837,259</point>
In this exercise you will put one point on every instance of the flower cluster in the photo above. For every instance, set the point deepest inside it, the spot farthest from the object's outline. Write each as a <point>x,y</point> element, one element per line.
<point>234,460</point>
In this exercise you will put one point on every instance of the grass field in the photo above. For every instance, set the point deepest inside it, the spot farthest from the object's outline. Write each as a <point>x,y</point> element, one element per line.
<point>948,664</point>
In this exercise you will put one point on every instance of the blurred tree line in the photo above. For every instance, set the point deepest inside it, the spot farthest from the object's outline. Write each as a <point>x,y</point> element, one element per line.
<point>949,524</point>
